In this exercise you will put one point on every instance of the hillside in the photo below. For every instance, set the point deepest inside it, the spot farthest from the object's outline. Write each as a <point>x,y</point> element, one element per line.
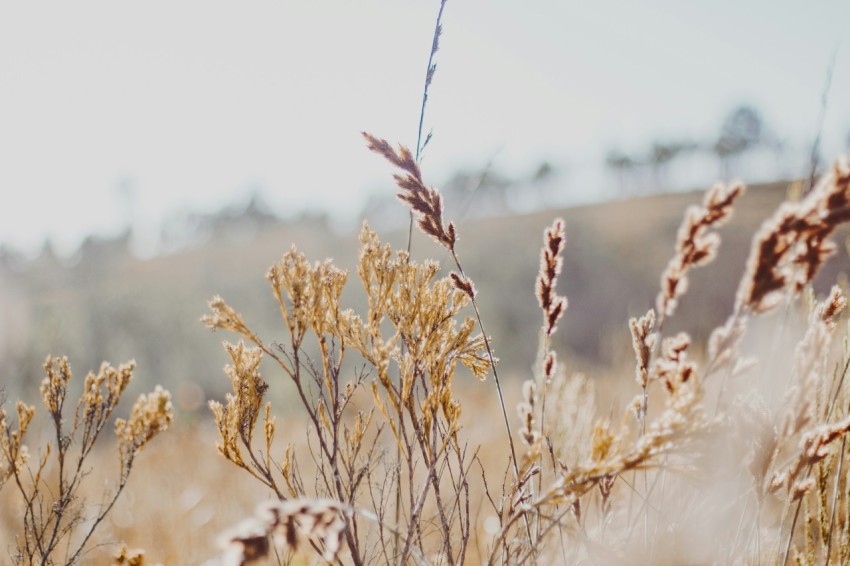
<point>116,307</point>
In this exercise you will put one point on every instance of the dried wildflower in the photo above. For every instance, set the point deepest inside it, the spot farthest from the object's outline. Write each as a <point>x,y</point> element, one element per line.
<point>423,309</point>
<point>603,443</point>
<point>13,453</point>
<point>290,523</point>
<point>224,317</point>
<point>101,394</point>
<point>237,419</point>
<point>551,303</point>
<point>814,447</point>
<point>424,201</point>
<point>643,342</point>
<point>832,308</point>
<point>790,247</point>
<point>244,543</point>
<point>463,283</point>
<point>126,556</point>
<point>550,365</point>
<point>308,295</point>
<point>151,415</point>
<point>54,387</point>
<point>55,514</point>
<point>695,245</point>
<point>673,367</point>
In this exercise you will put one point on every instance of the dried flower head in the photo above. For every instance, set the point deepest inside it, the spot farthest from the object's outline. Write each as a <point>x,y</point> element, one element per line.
<point>673,367</point>
<point>463,283</point>
<point>831,309</point>
<point>151,415</point>
<point>101,394</point>
<point>237,419</point>
<point>13,453</point>
<point>54,387</point>
<point>552,304</point>
<point>791,246</point>
<point>695,245</point>
<point>424,201</point>
<point>290,523</point>
<point>126,556</point>
<point>643,342</point>
<point>224,317</point>
<point>814,447</point>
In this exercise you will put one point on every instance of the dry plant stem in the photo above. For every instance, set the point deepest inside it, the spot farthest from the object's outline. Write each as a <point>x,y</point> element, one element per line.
<point>838,477</point>
<point>834,398</point>
<point>824,99</point>
<point>495,373</point>
<point>429,76</point>
<point>833,401</point>
<point>328,448</point>
<point>552,307</point>
<point>52,519</point>
<point>501,397</point>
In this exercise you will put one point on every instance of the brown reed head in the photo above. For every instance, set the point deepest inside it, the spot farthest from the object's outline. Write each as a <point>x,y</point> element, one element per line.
<point>426,202</point>
<point>790,247</point>
<point>552,304</point>
<point>290,524</point>
<point>696,244</point>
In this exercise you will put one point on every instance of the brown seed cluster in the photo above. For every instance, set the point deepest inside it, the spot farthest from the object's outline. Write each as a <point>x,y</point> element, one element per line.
<point>643,343</point>
<point>814,447</point>
<point>424,201</point>
<point>56,516</point>
<point>13,453</point>
<point>790,247</point>
<point>237,418</point>
<point>552,304</point>
<point>696,245</point>
<point>289,524</point>
<point>151,414</point>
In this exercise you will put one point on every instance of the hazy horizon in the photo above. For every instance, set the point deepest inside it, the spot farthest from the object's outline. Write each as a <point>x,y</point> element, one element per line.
<point>114,114</point>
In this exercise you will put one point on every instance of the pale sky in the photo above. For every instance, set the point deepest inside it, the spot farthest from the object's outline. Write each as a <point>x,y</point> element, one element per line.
<point>194,103</point>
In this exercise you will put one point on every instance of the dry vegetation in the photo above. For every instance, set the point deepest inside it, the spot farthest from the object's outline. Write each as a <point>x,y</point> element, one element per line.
<point>392,452</point>
<point>730,449</point>
<point>381,465</point>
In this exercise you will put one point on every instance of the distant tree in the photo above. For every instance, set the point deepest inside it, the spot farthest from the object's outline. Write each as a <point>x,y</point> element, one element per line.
<point>742,130</point>
<point>622,164</point>
<point>662,154</point>
<point>543,172</point>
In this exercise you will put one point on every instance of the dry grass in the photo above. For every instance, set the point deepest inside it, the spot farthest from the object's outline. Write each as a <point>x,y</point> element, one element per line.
<point>391,452</point>
<point>393,469</point>
<point>55,522</point>
<point>676,465</point>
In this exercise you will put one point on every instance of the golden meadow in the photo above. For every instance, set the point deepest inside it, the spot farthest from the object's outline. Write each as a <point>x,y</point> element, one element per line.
<point>402,444</point>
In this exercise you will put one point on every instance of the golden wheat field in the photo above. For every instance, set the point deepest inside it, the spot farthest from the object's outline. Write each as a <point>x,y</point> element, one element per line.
<point>364,416</point>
